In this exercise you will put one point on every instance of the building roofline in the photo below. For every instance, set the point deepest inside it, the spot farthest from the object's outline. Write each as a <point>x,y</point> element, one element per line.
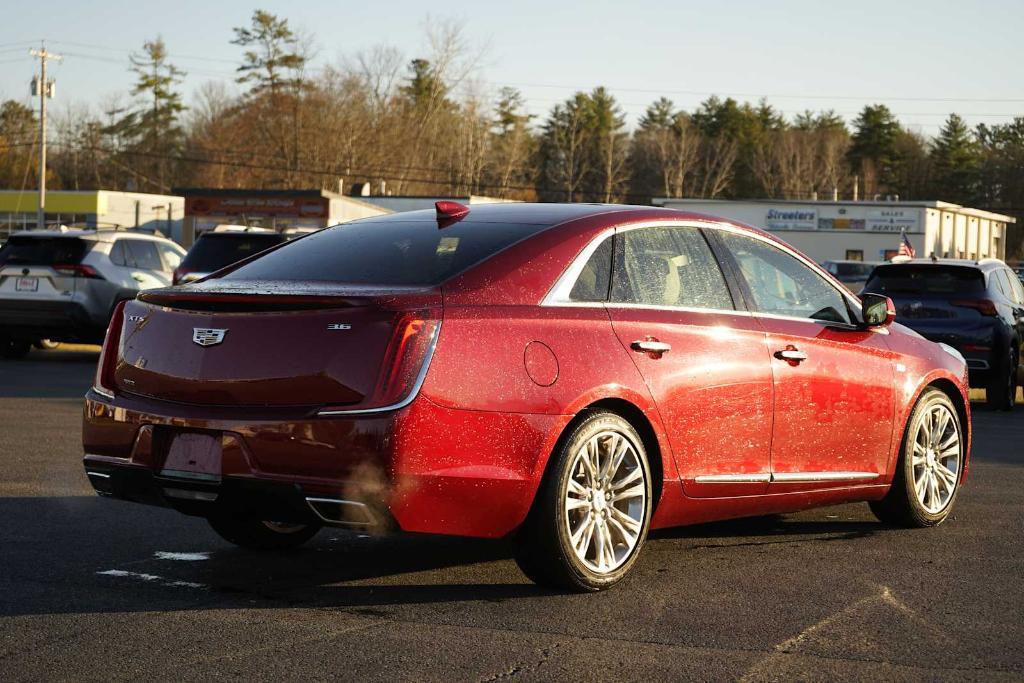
<point>234,191</point>
<point>915,203</point>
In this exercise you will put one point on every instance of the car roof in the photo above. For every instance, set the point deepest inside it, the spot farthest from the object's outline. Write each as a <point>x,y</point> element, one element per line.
<point>96,235</point>
<point>553,214</point>
<point>227,234</point>
<point>985,264</point>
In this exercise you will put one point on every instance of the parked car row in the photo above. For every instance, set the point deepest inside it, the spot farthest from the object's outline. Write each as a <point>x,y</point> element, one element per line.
<point>63,285</point>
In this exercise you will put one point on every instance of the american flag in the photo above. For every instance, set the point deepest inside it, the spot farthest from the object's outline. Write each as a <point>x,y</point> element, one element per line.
<point>906,248</point>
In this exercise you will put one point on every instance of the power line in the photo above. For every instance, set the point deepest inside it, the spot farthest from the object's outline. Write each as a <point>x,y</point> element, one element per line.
<point>652,90</point>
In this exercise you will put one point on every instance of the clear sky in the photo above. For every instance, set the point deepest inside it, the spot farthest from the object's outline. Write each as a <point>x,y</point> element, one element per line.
<point>922,58</point>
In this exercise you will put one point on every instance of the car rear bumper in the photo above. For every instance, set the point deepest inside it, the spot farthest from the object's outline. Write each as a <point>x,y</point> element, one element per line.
<point>32,319</point>
<point>424,468</point>
<point>980,345</point>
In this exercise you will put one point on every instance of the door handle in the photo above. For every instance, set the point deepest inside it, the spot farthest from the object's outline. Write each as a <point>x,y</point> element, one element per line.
<point>791,355</point>
<point>651,345</point>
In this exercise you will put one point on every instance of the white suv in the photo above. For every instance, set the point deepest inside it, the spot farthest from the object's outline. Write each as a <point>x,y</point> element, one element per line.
<point>62,285</point>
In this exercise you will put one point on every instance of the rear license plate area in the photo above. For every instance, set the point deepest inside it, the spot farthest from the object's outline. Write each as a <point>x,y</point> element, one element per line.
<point>195,456</point>
<point>26,284</point>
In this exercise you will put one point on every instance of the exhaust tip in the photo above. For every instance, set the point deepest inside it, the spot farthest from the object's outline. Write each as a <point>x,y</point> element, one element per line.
<point>340,512</point>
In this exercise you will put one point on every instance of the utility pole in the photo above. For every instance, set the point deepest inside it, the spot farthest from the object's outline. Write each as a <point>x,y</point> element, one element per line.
<point>44,89</point>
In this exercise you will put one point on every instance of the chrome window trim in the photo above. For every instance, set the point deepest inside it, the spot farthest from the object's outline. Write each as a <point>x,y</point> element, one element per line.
<point>802,477</point>
<point>413,393</point>
<point>558,295</point>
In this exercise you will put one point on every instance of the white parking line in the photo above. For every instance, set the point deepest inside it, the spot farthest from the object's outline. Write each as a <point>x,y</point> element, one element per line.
<point>151,578</point>
<point>181,557</point>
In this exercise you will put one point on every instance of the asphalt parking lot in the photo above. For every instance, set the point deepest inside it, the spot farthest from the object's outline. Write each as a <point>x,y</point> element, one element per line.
<point>100,589</point>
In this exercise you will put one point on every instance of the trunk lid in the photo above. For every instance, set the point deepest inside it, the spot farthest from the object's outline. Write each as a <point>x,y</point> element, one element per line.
<point>267,344</point>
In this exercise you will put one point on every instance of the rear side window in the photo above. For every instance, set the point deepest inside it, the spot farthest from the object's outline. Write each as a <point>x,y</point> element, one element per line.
<point>213,251</point>
<point>782,285</point>
<point>142,254</point>
<point>42,251</point>
<point>386,252</point>
<point>117,254</point>
<point>594,280</point>
<point>925,279</point>
<point>668,267</point>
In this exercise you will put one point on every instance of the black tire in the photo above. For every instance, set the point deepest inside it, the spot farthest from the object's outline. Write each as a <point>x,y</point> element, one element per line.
<point>543,548</point>
<point>45,344</point>
<point>901,505</point>
<point>14,349</point>
<point>1001,390</point>
<point>256,534</point>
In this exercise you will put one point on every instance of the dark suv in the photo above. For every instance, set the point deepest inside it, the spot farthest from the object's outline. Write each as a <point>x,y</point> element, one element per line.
<point>222,247</point>
<point>977,307</point>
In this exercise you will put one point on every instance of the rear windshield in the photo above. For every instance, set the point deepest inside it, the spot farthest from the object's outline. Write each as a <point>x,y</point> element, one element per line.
<point>386,252</point>
<point>42,251</point>
<point>213,251</point>
<point>908,279</point>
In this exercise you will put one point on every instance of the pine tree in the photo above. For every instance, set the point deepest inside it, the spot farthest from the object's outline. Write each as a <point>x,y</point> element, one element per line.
<point>155,125</point>
<point>956,161</point>
<point>873,150</point>
<point>272,60</point>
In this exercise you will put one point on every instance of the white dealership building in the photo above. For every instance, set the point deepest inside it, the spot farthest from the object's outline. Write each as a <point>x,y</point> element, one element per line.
<point>865,230</point>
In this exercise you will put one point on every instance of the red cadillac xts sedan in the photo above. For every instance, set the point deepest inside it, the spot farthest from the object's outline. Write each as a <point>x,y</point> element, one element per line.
<point>571,376</point>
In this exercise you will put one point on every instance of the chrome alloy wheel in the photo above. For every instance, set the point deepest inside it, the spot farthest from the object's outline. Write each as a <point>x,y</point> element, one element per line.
<point>936,458</point>
<point>605,501</point>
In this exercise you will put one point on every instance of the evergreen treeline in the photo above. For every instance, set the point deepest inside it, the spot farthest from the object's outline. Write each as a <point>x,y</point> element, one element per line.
<point>423,127</point>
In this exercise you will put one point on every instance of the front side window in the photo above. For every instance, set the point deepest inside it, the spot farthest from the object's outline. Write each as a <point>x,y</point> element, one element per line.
<point>783,285</point>
<point>668,267</point>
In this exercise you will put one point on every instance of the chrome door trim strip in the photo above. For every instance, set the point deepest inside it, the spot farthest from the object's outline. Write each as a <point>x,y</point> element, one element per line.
<point>782,477</point>
<point>801,477</point>
<point>755,478</point>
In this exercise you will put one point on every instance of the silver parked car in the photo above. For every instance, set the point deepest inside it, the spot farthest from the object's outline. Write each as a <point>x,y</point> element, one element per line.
<point>62,285</point>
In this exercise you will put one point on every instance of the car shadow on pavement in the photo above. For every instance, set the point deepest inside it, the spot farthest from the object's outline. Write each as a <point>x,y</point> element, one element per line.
<point>101,556</point>
<point>49,374</point>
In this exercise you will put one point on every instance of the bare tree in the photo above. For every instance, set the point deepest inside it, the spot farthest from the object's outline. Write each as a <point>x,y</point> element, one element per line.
<point>717,164</point>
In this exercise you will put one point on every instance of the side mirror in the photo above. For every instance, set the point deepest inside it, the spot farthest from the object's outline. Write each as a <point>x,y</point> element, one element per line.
<point>877,310</point>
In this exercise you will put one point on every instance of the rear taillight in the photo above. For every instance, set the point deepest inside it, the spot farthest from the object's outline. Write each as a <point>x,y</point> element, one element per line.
<point>104,383</point>
<point>983,306</point>
<point>405,364</point>
<point>77,270</point>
